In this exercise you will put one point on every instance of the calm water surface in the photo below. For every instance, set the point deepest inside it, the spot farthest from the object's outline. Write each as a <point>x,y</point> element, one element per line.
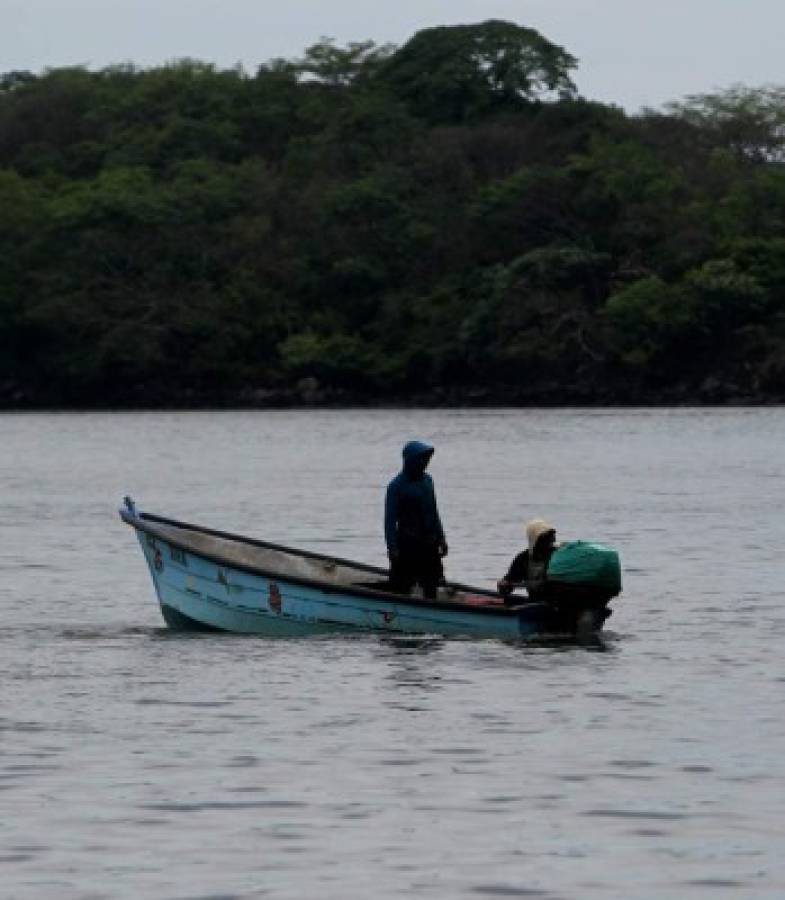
<point>138,763</point>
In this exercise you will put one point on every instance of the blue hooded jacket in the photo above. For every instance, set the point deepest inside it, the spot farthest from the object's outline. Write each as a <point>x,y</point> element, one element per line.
<point>410,509</point>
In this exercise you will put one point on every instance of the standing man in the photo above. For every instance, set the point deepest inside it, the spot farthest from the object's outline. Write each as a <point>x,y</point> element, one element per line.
<point>412,527</point>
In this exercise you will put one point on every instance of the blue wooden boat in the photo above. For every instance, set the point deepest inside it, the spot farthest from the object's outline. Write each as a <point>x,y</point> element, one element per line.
<point>212,580</point>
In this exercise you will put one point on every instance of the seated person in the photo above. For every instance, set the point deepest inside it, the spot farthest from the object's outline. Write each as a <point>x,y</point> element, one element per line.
<point>530,567</point>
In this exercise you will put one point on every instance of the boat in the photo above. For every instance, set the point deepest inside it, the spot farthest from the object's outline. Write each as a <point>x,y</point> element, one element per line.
<point>209,580</point>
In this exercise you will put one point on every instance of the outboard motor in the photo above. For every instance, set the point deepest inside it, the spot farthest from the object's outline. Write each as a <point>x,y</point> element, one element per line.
<point>582,578</point>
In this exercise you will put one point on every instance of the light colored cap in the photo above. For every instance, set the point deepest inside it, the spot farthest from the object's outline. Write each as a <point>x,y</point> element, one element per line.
<point>535,529</point>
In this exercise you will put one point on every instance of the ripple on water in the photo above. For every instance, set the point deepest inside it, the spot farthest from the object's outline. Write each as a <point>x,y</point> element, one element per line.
<point>509,890</point>
<point>223,805</point>
<point>197,704</point>
<point>635,814</point>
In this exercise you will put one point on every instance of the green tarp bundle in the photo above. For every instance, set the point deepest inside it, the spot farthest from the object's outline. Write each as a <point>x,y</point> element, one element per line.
<point>592,565</point>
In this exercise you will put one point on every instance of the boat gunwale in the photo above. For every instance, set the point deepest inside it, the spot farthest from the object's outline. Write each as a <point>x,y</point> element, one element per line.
<point>139,520</point>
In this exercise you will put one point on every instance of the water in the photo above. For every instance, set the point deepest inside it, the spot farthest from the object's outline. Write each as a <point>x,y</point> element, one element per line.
<point>138,763</point>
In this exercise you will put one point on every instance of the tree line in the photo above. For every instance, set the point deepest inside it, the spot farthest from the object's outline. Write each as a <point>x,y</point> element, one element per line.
<point>447,221</point>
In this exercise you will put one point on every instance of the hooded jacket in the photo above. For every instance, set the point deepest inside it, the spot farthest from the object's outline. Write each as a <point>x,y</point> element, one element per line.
<point>410,511</point>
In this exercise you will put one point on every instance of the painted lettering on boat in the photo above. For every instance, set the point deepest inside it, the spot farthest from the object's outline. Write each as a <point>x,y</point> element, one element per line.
<point>274,597</point>
<point>178,556</point>
<point>388,617</point>
<point>223,578</point>
<point>158,561</point>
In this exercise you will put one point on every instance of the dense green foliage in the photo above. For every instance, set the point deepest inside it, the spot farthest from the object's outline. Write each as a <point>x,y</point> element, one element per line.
<point>444,220</point>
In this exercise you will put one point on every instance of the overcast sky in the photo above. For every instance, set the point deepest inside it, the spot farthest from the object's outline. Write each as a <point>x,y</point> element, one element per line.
<point>631,52</point>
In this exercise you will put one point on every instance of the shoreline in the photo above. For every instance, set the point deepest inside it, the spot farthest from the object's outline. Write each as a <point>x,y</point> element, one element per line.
<point>327,398</point>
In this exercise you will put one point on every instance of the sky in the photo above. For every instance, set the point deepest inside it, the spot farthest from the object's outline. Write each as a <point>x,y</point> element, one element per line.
<point>634,53</point>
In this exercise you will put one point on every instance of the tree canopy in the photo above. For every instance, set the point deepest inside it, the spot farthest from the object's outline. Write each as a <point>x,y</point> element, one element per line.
<point>454,73</point>
<point>444,222</point>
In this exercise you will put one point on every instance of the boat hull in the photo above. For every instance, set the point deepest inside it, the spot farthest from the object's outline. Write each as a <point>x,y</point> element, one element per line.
<point>196,592</point>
